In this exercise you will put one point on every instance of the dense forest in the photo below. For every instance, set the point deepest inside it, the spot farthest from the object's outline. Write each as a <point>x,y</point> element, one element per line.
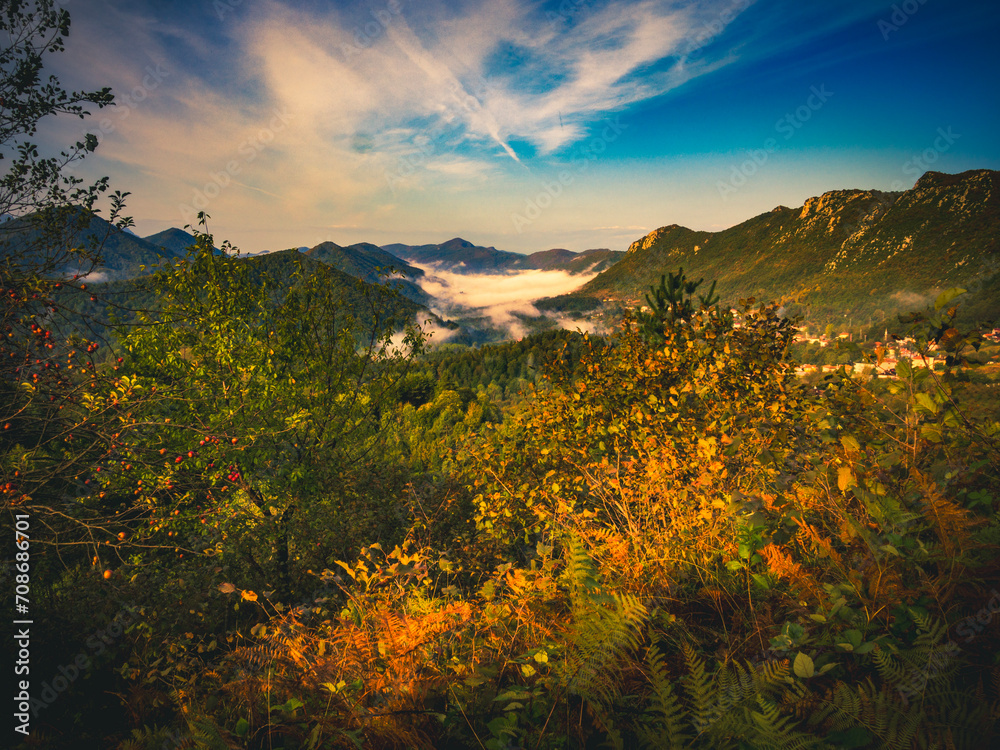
<point>260,512</point>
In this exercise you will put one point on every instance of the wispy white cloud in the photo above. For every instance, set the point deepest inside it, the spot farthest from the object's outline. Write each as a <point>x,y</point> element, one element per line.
<point>382,109</point>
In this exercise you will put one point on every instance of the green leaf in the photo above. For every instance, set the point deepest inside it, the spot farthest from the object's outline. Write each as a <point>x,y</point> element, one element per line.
<point>947,296</point>
<point>803,666</point>
<point>850,443</point>
<point>242,728</point>
<point>924,400</point>
<point>931,433</point>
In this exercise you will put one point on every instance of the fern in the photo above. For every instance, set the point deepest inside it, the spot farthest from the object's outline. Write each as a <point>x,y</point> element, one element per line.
<point>701,691</point>
<point>666,730</point>
<point>760,706</point>
<point>734,706</point>
<point>155,738</point>
<point>604,629</point>
<point>889,668</point>
<point>207,736</point>
<point>770,729</point>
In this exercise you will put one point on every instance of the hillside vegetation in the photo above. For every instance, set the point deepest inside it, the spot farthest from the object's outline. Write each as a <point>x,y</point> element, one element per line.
<point>78,241</point>
<point>250,510</point>
<point>373,265</point>
<point>308,535</point>
<point>848,256</point>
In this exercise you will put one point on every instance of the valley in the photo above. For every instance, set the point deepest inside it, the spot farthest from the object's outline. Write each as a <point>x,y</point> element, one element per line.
<point>550,375</point>
<point>851,259</point>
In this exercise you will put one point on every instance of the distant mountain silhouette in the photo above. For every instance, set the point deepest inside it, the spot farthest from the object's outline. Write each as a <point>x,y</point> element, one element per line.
<point>173,239</point>
<point>71,237</point>
<point>461,256</point>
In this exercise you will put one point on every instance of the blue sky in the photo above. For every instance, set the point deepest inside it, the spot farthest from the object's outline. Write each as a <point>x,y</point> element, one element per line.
<point>524,125</point>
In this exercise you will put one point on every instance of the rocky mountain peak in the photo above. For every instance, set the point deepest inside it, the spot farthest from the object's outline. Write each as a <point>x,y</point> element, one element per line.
<point>652,238</point>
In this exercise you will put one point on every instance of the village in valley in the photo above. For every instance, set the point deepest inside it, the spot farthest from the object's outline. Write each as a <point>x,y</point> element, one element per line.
<point>879,358</point>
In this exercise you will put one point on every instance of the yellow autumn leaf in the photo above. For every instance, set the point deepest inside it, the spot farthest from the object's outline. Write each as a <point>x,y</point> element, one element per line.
<point>845,478</point>
<point>249,596</point>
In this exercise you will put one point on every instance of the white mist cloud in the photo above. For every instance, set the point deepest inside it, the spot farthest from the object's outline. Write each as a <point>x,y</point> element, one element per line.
<point>94,276</point>
<point>584,326</point>
<point>436,334</point>
<point>914,300</point>
<point>498,297</point>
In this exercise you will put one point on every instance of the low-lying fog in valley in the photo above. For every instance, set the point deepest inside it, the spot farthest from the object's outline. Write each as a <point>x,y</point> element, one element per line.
<point>500,297</point>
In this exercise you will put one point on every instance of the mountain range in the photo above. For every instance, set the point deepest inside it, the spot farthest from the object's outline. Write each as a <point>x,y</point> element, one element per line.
<point>123,255</point>
<point>847,255</point>
<point>461,256</point>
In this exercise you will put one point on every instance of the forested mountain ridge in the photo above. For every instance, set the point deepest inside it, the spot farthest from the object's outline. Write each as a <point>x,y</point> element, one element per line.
<point>461,256</point>
<point>122,254</point>
<point>558,259</point>
<point>279,272</point>
<point>362,260</point>
<point>372,264</point>
<point>173,239</point>
<point>844,254</point>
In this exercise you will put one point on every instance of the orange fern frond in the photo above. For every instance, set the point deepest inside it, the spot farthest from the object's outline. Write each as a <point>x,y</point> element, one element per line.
<point>819,543</point>
<point>782,565</point>
<point>951,522</point>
